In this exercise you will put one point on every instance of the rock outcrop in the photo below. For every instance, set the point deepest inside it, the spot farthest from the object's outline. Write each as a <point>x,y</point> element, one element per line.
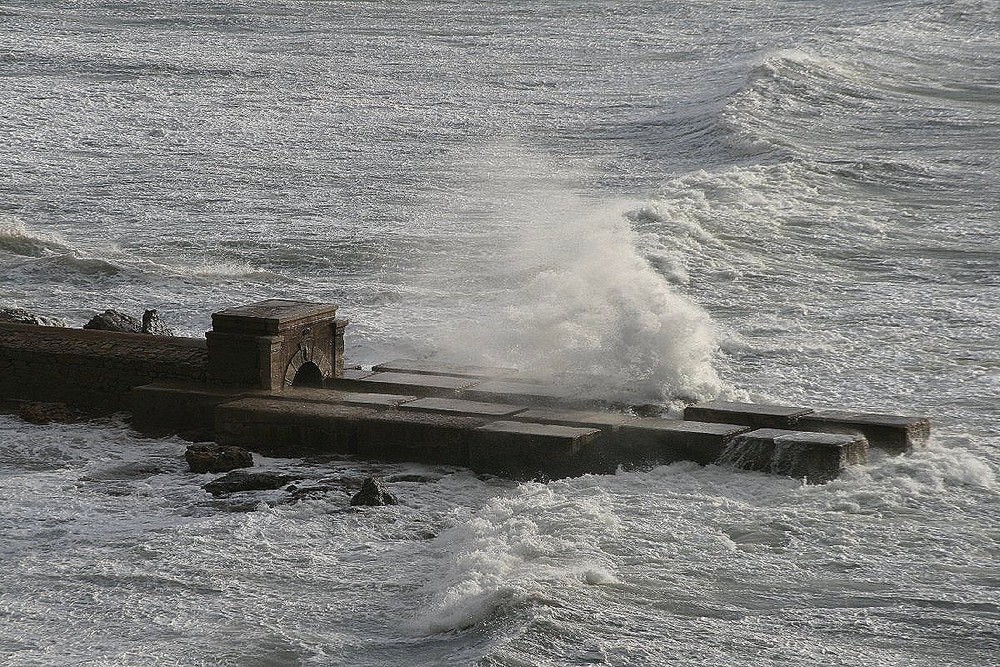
<point>153,325</point>
<point>210,457</point>
<point>46,413</point>
<point>373,493</point>
<point>240,480</point>
<point>113,320</point>
<point>21,316</point>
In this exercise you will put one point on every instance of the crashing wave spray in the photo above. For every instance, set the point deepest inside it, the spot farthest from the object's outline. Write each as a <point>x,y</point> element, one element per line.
<point>580,297</point>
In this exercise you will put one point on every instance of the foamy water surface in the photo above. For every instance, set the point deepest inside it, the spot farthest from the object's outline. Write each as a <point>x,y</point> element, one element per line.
<point>792,202</point>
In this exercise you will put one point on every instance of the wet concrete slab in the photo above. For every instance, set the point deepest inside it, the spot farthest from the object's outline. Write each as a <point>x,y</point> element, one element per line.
<point>521,450</point>
<point>173,406</point>
<point>817,457</point>
<point>668,440</point>
<point>520,393</point>
<point>350,380</point>
<point>288,428</point>
<point>456,406</point>
<point>445,386</point>
<point>893,433</point>
<point>746,414</point>
<point>354,374</point>
<point>363,399</point>
<point>579,418</point>
<point>423,367</point>
<point>419,437</point>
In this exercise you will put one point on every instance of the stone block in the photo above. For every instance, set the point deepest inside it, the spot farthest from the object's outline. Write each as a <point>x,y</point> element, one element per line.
<point>244,360</point>
<point>349,380</point>
<point>417,367</point>
<point>599,455</point>
<point>520,393</point>
<point>818,457</point>
<point>354,374</point>
<point>418,437</point>
<point>362,399</point>
<point>746,414</point>
<point>657,441</point>
<point>271,317</point>
<point>276,343</point>
<point>580,418</point>
<point>456,406</point>
<point>406,383</point>
<point>176,406</point>
<point>289,428</point>
<point>522,450</point>
<point>894,433</point>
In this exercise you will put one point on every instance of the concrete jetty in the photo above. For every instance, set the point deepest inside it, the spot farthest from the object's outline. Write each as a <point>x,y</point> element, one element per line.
<point>271,376</point>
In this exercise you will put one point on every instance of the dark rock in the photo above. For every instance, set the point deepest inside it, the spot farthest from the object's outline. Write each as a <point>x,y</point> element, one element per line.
<point>648,410</point>
<point>373,493</point>
<point>413,477</point>
<point>21,316</point>
<point>210,457</point>
<point>113,320</point>
<point>197,435</point>
<point>248,481</point>
<point>152,324</point>
<point>46,413</point>
<point>126,472</point>
<point>297,494</point>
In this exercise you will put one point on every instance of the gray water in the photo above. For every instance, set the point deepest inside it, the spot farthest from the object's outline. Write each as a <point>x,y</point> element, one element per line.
<point>789,201</point>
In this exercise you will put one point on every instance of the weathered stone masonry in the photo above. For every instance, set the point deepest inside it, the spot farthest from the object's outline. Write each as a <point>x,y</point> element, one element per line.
<point>92,369</point>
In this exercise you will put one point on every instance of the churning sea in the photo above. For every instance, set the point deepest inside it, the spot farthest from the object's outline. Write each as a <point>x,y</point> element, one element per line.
<point>787,201</point>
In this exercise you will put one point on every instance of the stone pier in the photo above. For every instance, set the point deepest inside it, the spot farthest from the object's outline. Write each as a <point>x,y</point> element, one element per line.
<point>271,376</point>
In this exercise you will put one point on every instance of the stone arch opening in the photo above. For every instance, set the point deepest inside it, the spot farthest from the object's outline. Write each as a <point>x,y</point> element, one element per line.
<point>308,375</point>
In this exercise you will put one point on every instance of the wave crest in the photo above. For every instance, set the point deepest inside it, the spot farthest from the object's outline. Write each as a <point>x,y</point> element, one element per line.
<point>16,239</point>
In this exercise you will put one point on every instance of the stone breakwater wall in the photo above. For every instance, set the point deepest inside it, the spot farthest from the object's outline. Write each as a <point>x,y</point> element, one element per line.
<point>92,369</point>
<point>268,345</point>
<point>270,377</point>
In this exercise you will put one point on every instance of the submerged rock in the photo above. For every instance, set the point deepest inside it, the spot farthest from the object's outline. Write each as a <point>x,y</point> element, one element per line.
<point>248,481</point>
<point>113,320</point>
<point>21,316</point>
<point>373,493</point>
<point>648,410</point>
<point>46,413</point>
<point>210,457</point>
<point>414,477</point>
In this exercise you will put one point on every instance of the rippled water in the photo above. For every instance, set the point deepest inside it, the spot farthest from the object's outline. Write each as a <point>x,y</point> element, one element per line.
<point>794,201</point>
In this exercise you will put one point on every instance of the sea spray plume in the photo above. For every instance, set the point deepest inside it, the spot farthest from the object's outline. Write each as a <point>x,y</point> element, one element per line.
<point>581,299</point>
<point>598,306</point>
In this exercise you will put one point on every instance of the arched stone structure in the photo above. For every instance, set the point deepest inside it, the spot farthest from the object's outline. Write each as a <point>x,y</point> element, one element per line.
<point>266,344</point>
<point>307,375</point>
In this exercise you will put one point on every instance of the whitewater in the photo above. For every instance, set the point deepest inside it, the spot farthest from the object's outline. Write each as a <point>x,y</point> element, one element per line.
<point>793,202</point>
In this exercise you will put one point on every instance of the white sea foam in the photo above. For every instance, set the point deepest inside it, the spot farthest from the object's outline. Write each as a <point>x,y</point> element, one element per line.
<point>527,547</point>
<point>826,208</point>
